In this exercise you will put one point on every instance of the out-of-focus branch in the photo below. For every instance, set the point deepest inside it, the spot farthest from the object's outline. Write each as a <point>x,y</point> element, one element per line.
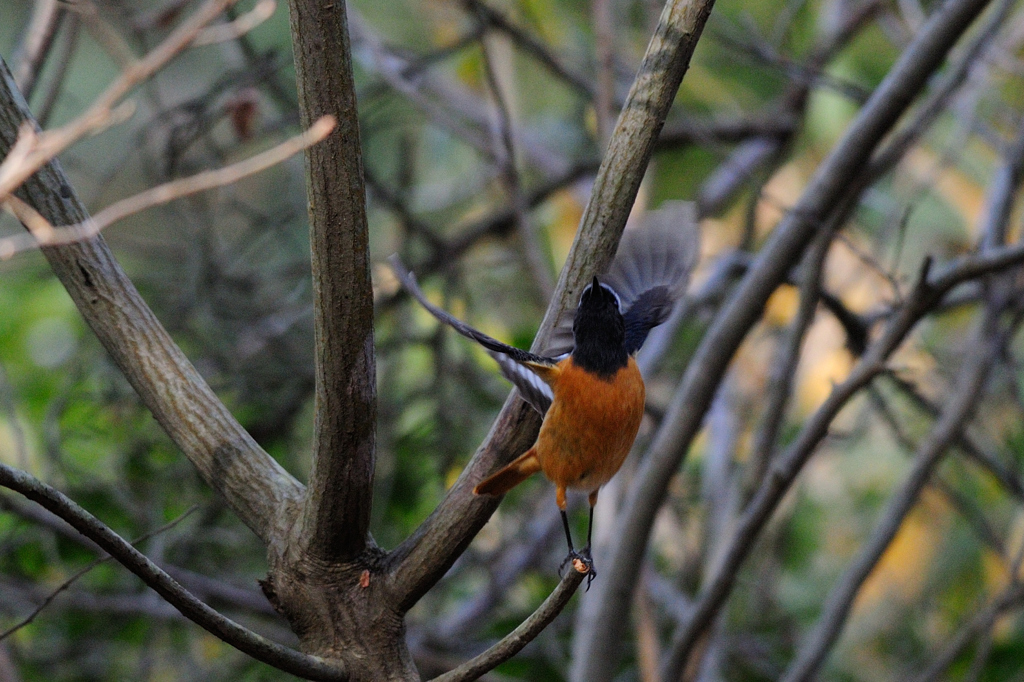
<point>987,343</point>
<point>281,657</point>
<point>604,48</point>
<point>42,233</point>
<point>336,511</point>
<point>41,147</point>
<point>784,364</point>
<point>237,27</point>
<point>46,17</point>
<point>255,486</point>
<point>510,176</point>
<point>530,45</point>
<point>203,586</point>
<point>921,301</point>
<point>85,569</point>
<point>448,106</point>
<point>422,559</point>
<point>790,238</point>
<point>1011,597</point>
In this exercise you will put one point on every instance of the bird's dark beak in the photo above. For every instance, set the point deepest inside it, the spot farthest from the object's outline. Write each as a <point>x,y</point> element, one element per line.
<point>595,283</point>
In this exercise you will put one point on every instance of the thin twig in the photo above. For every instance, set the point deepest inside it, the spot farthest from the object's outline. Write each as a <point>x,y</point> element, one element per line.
<point>42,233</point>
<point>510,175</point>
<point>101,113</point>
<point>260,648</point>
<point>237,27</point>
<point>88,567</point>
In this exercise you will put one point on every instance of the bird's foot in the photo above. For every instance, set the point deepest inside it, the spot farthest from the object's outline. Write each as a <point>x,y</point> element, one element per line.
<point>581,562</point>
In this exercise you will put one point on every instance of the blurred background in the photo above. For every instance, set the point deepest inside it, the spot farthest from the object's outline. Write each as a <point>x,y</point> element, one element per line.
<point>441,85</point>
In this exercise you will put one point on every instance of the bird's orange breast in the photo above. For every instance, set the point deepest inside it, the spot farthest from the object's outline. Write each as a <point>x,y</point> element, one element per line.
<point>590,426</point>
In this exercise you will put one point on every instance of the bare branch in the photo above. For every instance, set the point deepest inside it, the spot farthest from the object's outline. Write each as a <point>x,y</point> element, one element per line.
<point>510,175</point>
<point>985,347</point>
<point>822,195</point>
<point>253,484</point>
<point>42,233</point>
<point>530,45</point>
<point>336,511</point>
<point>102,111</point>
<point>784,364</point>
<point>782,474</point>
<point>46,19</point>
<point>983,620</point>
<point>281,657</point>
<point>422,559</point>
<point>526,632</point>
<point>236,28</point>
<point>85,569</point>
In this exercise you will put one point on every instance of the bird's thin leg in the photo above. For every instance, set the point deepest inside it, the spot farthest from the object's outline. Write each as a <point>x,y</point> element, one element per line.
<point>590,531</point>
<point>580,561</point>
<point>568,535</point>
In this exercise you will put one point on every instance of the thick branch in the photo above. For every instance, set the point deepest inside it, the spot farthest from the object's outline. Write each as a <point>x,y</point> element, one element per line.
<point>336,512</point>
<point>252,483</point>
<point>906,79</point>
<point>422,559</point>
<point>260,648</point>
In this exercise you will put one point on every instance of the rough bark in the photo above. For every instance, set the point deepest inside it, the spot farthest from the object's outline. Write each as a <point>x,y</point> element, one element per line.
<point>336,512</point>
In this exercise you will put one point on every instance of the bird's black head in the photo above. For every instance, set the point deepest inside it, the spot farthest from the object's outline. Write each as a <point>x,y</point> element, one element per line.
<point>599,331</point>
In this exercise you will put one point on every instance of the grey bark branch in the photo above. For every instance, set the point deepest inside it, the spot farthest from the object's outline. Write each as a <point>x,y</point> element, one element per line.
<point>526,632</point>
<point>928,292</point>
<point>255,486</point>
<point>784,364</point>
<point>987,343</point>
<point>260,648</point>
<point>336,512</point>
<point>421,560</point>
<point>896,92</point>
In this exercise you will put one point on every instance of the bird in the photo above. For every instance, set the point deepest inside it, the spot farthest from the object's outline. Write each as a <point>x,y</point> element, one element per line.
<point>586,384</point>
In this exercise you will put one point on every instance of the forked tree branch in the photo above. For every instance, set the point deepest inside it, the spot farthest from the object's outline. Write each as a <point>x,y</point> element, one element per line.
<point>255,486</point>
<point>929,290</point>
<point>422,559</point>
<point>987,343</point>
<point>336,512</point>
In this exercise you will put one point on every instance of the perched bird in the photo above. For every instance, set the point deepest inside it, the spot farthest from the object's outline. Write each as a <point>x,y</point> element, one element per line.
<point>586,384</point>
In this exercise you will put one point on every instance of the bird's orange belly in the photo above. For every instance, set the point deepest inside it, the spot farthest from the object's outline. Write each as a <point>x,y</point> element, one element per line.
<point>590,426</point>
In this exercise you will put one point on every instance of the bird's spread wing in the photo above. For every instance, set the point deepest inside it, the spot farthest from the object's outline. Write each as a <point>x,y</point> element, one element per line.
<point>652,267</point>
<point>513,362</point>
